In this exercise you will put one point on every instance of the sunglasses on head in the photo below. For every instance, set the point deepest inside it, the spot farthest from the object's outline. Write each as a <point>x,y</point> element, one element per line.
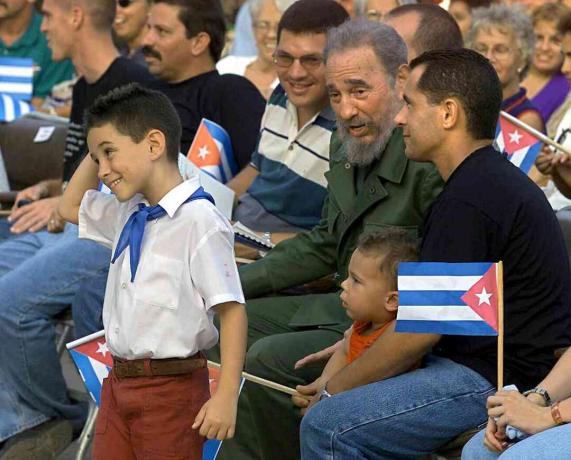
<point>124,3</point>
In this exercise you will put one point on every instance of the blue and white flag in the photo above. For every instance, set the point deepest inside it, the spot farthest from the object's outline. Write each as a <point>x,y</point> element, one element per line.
<point>520,147</point>
<point>448,298</point>
<point>11,108</point>
<point>17,77</point>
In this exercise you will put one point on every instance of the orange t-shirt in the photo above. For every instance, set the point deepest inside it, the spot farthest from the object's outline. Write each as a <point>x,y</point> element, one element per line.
<point>358,343</point>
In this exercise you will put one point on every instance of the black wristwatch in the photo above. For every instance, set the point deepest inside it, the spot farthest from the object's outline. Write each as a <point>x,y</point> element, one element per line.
<point>541,392</point>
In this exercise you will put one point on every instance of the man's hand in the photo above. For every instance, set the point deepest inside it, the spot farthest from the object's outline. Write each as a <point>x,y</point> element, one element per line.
<point>33,193</point>
<point>547,160</point>
<point>318,356</point>
<point>308,395</point>
<point>494,439</point>
<point>217,417</point>
<point>34,216</point>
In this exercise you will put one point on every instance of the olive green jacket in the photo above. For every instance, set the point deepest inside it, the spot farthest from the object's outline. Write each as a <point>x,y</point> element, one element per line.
<point>396,192</point>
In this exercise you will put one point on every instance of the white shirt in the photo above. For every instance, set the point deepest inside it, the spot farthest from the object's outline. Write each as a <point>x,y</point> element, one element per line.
<point>186,267</point>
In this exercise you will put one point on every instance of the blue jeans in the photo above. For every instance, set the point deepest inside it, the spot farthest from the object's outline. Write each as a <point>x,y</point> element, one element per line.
<point>552,444</point>
<point>5,230</point>
<point>39,275</point>
<point>87,306</point>
<point>401,417</point>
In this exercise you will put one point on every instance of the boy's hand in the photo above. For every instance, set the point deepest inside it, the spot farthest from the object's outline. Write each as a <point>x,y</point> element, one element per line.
<point>494,439</point>
<point>548,159</point>
<point>318,356</point>
<point>217,417</point>
<point>308,395</point>
<point>56,224</point>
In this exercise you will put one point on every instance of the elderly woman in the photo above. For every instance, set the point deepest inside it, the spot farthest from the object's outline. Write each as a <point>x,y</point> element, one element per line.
<point>259,69</point>
<point>544,413</point>
<point>545,84</point>
<point>504,35</point>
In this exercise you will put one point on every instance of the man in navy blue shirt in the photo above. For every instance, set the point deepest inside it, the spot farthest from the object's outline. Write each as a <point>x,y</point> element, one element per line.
<point>489,211</point>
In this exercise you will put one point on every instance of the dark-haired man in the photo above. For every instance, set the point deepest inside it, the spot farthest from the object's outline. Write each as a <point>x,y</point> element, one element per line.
<point>37,275</point>
<point>488,211</point>
<point>425,28</point>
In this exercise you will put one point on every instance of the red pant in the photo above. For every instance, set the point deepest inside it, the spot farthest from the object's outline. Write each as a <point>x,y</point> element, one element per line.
<point>150,418</point>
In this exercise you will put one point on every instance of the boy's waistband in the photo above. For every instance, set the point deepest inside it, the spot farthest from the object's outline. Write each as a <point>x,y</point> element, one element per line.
<point>148,367</point>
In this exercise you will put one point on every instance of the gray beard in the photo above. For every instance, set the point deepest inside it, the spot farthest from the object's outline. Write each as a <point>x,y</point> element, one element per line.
<point>363,154</point>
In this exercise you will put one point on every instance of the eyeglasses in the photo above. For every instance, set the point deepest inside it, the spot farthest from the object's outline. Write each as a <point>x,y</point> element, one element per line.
<point>265,26</point>
<point>375,15</point>
<point>308,62</point>
<point>125,3</point>
<point>498,51</point>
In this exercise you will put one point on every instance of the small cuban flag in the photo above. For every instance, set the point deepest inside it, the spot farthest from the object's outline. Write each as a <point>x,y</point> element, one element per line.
<point>520,147</point>
<point>448,298</point>
<point>211,151</point>
<point>17,77</point>
<point>94,362</point>
<point>11,108</point>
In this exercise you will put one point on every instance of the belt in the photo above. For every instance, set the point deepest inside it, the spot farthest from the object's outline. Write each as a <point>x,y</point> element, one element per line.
<point>157,367</point>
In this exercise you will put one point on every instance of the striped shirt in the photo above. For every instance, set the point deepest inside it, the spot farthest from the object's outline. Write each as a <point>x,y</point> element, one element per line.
<point>292,162</point>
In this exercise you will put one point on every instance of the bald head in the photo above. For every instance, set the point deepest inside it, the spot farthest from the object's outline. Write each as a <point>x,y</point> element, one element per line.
<point>425,28</point>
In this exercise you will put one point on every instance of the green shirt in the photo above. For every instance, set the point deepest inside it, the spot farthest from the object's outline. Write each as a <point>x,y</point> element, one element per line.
<point>33,44</point>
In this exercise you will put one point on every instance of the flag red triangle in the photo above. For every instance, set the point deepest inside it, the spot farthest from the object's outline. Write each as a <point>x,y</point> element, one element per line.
<point>482,297</point>
<point>96,349</point>
<point>204,151</point>
<point>514,137</point>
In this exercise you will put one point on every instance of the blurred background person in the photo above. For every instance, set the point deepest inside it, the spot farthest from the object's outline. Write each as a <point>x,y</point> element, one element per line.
<point>461,11</point>
<point>546,86</point>
<point>376,10</point>
<point>504,34</point>
<point>259,69</point>
<point>130,27</point>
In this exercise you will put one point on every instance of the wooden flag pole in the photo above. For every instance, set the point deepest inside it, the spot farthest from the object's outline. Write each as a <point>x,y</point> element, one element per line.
<point>535,132</point>
<point>500,284</point>
<point>261,381</point>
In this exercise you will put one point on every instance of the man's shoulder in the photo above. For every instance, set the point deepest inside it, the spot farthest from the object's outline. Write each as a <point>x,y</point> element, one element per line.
<point>127,70</point>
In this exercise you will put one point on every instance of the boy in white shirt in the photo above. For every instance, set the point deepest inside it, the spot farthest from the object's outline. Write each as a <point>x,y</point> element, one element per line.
<point>172,268</point>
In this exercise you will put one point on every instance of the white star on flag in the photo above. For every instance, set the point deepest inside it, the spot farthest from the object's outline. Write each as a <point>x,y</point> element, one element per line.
<point>203,152</point>
<point>102,348</point>
<point>515,136</point>
<point>484,297</point>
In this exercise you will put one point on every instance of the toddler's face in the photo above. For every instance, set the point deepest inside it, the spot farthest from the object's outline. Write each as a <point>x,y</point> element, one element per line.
<point>123,164</point>
<point>366,290</point>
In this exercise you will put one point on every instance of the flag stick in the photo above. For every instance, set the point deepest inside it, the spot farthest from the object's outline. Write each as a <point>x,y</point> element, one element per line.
<point>261,381</point>
<point>535,132</point>
<point>500,283</point>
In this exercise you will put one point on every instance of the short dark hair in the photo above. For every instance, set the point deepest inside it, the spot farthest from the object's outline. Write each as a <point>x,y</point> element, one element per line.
<point>565,24</point>
<point>312,17</point>
<point>474,3</point>
<point>437,29</point>
<point>133,111</point>
<point>391,247</point>
<point>202,16</point>
<point>467,76</point>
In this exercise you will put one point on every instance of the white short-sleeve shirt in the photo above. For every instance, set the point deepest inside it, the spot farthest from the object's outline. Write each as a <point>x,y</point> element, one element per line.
<point>186,267</point>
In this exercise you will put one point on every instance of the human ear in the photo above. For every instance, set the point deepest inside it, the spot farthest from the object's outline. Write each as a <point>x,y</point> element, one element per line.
<point>157,143</point>
<point>199,43</point>
<point>450,112</point>
<point>77,16</point>
<point>392,301</point>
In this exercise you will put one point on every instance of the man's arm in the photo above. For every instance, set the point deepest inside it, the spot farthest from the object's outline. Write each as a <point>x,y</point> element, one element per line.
<point>85,178</point>
<point>393,353</point>
<point>242,181</point>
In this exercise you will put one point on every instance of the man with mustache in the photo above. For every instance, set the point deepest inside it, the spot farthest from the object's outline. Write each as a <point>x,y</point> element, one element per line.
<point>371,185</point>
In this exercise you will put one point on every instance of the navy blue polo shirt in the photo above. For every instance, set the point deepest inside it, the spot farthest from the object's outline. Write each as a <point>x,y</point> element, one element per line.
<point>490,211</point>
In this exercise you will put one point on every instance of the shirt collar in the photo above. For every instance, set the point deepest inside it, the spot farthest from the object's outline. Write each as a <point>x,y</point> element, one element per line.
<point>178,195</point>
<point>32,34</point>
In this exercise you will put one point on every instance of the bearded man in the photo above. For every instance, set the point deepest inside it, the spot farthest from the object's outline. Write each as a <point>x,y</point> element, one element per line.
<point>371,186</point>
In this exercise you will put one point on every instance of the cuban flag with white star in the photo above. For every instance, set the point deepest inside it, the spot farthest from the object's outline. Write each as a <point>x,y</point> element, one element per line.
<point>211,151</point>
<point>448,298</point>
<point>518,145</point>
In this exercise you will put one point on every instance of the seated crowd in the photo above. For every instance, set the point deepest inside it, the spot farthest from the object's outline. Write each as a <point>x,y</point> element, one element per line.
<point>355,135</point>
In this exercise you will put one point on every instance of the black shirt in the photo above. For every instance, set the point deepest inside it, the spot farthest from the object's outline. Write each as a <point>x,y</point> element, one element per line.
<point>121,71</point>
<point>490,211</point>
<point>229,100</point>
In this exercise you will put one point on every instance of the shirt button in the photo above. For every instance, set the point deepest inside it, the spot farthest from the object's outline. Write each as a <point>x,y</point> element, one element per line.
<point>347,165</point>
<point>123,285</point>
<point>372,190</point>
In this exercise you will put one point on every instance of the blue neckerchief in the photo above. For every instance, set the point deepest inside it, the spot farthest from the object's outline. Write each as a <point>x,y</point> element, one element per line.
<point>134,229</point>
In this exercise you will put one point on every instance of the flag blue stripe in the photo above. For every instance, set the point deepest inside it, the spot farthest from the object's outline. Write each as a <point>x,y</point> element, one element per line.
<point>443,269</point>
<point>428,298</point>
<point>16,61</point>
<point>530,157</point>
<point>222,136</point>
<point>18,96</point>
<point>11,79</point>
<point>88,374</point>
<point>445,327</point>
